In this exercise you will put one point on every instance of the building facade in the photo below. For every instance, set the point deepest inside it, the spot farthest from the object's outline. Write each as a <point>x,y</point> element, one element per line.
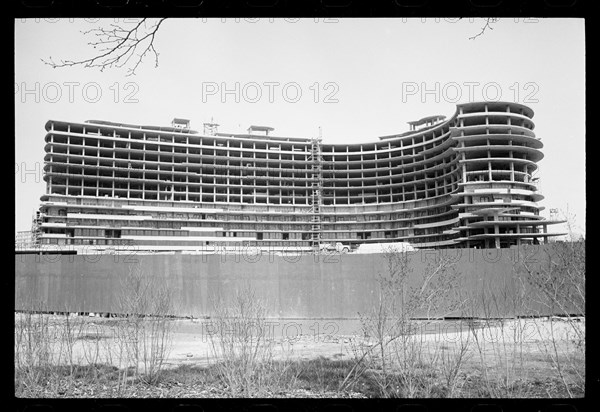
<point>463,181</point>
<point>24,239</point>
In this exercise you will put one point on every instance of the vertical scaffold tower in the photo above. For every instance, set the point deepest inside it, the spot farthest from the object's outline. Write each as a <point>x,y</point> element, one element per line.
<point>35,228</point>
<point>316,189</point>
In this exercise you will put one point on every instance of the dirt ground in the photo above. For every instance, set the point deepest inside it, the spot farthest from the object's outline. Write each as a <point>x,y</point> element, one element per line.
<point>340,339</point>
<point>519,355</point>
<point>191,340</point>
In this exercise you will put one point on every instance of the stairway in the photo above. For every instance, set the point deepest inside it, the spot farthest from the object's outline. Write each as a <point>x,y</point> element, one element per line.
<point>316,189</point>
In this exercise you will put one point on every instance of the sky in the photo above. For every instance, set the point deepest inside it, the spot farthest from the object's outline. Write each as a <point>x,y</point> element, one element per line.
<point>355,79</point>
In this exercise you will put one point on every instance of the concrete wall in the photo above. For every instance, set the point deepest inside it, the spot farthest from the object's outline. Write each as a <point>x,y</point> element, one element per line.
<point>311,287</point>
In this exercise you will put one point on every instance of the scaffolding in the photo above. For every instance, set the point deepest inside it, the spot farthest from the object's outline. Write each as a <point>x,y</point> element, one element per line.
<point>36,228</point>
<point>316,191</point>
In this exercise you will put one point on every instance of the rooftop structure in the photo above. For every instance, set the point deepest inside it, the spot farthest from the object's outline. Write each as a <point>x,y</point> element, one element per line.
<point>427,121</point>
<point>462,181</point>
<point>180,123</point>
<point>263,129</point>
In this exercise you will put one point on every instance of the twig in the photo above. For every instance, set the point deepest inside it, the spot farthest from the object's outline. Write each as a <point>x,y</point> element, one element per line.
<point>117,47</point>
<point>488,25</point>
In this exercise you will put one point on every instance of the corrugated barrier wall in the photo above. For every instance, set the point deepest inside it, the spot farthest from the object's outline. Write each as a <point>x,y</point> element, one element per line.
<point>338,286</point>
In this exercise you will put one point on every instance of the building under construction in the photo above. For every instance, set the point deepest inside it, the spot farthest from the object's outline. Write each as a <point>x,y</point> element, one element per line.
<point>467,180</point>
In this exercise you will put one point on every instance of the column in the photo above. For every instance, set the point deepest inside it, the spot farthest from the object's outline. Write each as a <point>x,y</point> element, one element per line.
<point>496,238</point>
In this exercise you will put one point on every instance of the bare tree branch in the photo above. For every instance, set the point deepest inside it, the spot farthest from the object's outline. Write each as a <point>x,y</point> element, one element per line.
<point>488,25</point>
<point>118,47</point>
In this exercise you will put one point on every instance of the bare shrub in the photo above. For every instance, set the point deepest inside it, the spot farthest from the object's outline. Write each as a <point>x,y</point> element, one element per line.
<point>244,347</point>
<point>52,353</point>
<point>501,338</point>
<point>34,353</point>
<point>72,329</point>
<point>146,331</point>
<point>558,284</point>
<point>452,362</point>
<point>396,357</point>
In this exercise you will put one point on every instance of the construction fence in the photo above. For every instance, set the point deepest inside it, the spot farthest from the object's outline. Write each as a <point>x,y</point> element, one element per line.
<point>495,282</point>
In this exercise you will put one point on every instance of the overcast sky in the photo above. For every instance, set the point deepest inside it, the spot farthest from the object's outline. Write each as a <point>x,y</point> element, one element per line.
<point>357,79</point>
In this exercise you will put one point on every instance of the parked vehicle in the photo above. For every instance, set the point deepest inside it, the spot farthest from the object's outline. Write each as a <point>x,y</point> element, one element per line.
<point>337,247</point>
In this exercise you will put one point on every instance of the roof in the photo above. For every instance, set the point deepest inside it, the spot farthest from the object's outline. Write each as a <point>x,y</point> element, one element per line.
<point>261,128</point>
<point>426,119</point>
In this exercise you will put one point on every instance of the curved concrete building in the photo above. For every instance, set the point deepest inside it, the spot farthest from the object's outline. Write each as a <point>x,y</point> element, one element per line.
<point>461,181</point>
